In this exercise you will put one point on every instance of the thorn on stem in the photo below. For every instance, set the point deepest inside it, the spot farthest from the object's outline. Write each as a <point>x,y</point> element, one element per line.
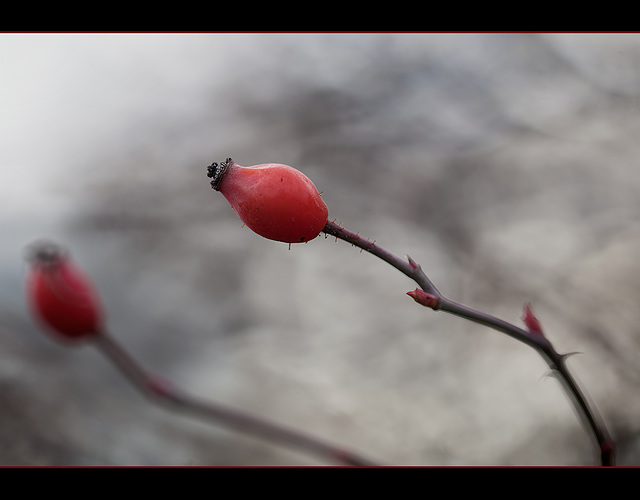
<point>412,262</point>
<point>569,354</point>
<point>550,373</point>
<point>414,265</point>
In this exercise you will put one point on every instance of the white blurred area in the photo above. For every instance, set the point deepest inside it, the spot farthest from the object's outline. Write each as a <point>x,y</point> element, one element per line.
<point>505,164</point>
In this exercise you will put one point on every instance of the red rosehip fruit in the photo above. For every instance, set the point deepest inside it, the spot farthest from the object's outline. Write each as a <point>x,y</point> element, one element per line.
<point>59,295</point>
<point>276,201</point>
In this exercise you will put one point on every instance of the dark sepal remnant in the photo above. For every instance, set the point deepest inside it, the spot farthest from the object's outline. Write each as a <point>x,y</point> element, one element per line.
<point>45,253</point>
<point>217,171</point>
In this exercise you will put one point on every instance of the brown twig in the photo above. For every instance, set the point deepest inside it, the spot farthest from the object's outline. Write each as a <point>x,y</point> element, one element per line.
<point>162,392</point>
<point>431,297</point>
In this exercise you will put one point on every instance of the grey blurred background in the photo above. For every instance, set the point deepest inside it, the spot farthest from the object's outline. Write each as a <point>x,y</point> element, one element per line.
<point>505,164</point>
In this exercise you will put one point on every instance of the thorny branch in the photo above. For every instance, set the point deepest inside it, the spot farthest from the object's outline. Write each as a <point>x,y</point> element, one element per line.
<point>431,297</point>
<point>166,394</point>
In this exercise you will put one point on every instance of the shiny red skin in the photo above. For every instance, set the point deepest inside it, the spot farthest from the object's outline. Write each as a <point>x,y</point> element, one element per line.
<point>64,299</point>
<point>276,201</point>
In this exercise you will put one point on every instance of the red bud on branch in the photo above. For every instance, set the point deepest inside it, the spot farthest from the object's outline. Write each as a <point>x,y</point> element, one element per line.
<point>530,320</point>
<point>424,298</point>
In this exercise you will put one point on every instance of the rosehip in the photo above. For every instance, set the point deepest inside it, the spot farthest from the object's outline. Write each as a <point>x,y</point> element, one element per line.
<point>276,201</point>
<point>60,295</point>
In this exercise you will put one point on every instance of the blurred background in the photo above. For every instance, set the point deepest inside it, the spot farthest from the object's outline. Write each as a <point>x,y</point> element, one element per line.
<point>505,164</point>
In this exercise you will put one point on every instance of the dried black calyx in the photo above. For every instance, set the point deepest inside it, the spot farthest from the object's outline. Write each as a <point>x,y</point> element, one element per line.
<point>217,172</point>
<point>45,253</point>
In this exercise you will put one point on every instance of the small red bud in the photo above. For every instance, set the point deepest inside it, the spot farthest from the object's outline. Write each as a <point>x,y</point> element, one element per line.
<point>530,320</point>
<point>59,295</point>
<point>424,298</point>
<point>276,201</point>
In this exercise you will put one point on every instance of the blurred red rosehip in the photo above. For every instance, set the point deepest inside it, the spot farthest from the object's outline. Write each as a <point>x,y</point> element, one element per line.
<point>276,201</point>
<point>59,295</point>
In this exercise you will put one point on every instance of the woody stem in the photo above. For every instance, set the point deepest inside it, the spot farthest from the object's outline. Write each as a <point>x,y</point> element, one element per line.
<point>557,362</point>
<point>162,392</point>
